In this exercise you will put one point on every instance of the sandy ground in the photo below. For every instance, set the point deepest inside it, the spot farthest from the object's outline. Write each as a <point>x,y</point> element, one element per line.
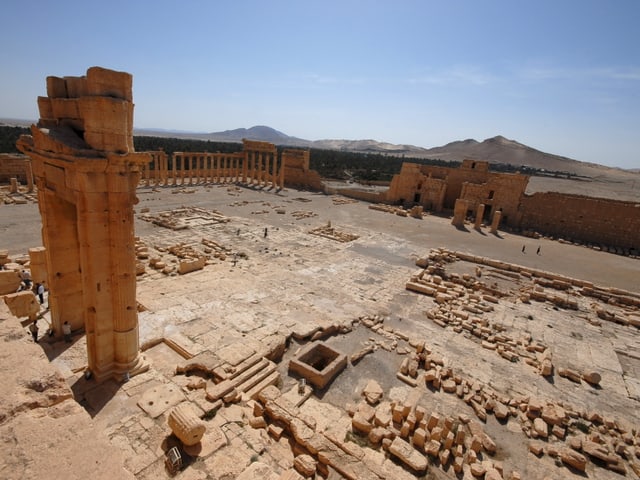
<point>286,281</point>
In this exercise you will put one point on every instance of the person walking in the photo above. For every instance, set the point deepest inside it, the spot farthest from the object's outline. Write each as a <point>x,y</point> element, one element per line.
<point>33,328</point>
<point>66,331</point>
<point>40,292</point>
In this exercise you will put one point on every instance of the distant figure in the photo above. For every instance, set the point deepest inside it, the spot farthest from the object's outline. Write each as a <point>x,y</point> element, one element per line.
<point>523,247</point>
<point>40,292</point>
<point>235,259</point>
<point>26,278</point>
<point>538,251</point>
<point>33,328</point>
<point>265,232</point>
<point>66,331</point>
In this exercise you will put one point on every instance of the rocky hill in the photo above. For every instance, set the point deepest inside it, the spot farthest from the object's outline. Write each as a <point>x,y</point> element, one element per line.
<point>497,149</point>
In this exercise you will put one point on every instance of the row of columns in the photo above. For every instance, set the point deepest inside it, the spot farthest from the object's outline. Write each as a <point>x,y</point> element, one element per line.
<point>259,167</point>
<point>460,212</point>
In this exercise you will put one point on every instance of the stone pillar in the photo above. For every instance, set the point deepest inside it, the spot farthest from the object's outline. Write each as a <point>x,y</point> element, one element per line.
<point>267,173</point>
<point>86,202</point>
<point>245,166</point>
<point>497,215</point>
<point>252,167</point>
<point>282,167</point>
<point>479,215</point>
<point>174,168</point>
<point>189,163</point>
<point>459,212</point>
<point>29,173</point>
<point>13,188</point>
<point>146,175</point>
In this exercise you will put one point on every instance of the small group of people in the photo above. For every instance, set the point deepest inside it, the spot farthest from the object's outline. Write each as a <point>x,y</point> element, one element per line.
<point>27,284</point>
<point>524,248</point>
<point>66,331</point>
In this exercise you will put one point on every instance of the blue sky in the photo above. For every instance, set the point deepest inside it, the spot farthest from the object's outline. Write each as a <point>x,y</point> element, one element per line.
<point>561,76</point>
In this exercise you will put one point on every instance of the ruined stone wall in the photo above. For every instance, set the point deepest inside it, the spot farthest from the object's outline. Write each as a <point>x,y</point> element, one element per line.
<point>502,191</point>
<point>437,188</point>
<point>405,184</point>
<point>14,166</point>
<point>432,193</point>
<point>472,172</point>
<point>579,218</point>
<point>371,197</point>
<point>296,170</point>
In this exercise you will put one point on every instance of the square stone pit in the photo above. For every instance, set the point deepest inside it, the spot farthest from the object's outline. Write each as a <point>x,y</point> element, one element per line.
<point>318,363</point>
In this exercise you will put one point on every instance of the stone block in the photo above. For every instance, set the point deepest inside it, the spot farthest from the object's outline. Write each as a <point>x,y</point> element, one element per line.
<point>22,304</point>
<point>404,452</point>
<point>190,265</point>
<point>9,281</point>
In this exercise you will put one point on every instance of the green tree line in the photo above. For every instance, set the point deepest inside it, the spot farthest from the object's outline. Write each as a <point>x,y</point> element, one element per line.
<point>334,164</point>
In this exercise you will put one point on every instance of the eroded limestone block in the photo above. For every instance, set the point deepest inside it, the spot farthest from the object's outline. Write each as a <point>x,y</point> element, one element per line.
<point>408,455</point>
<point>186,425</point>
<point>22,304</point>
<point>305,465</point>
<point>372,392</point>
<point>191,265</point>
<point>9,281</point>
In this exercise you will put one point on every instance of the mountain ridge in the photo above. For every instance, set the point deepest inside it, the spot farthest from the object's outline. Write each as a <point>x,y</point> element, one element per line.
<point>497,149</point>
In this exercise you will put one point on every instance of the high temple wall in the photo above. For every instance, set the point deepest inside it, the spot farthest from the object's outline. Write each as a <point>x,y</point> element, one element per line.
<point>602,221</point>
<point>437,188</point>
<point>15,165</point>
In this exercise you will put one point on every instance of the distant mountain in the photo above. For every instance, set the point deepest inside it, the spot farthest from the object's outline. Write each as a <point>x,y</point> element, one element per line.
<point>502,150</point>
<point>498,149</point>
<point>258,132</point>
<point>268,134</point>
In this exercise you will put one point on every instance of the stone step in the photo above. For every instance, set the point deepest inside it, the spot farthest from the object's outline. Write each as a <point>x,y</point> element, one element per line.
<point>253,392</point>
<point>250,382</point>
<point>220,373</point>
<point>221,389</point>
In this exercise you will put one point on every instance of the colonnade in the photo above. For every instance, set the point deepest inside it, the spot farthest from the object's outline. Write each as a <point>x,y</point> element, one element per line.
<point>258,165</point>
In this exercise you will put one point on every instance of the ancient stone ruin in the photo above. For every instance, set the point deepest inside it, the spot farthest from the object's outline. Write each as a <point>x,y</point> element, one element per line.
<point>86,172</point>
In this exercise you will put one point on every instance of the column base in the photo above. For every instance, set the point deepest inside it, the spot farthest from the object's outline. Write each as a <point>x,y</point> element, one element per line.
<point>122,372</point>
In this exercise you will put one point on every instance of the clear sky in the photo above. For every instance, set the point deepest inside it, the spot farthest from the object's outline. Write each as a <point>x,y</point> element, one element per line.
<point>562,76</point>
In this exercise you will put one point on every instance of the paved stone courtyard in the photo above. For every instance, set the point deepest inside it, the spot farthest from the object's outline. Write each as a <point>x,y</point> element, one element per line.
<point>270,286</point>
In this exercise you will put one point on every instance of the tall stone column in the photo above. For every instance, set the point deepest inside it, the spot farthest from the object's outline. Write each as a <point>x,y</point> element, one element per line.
<point>174,168</point>
<point>479,215</point>
<point>29,173</point>
<point>459,212</point>
<point>245,166</point>
<point>497,215</point>
<point>87,174</point>
<point>267,176</point>
<point>282,167</point>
